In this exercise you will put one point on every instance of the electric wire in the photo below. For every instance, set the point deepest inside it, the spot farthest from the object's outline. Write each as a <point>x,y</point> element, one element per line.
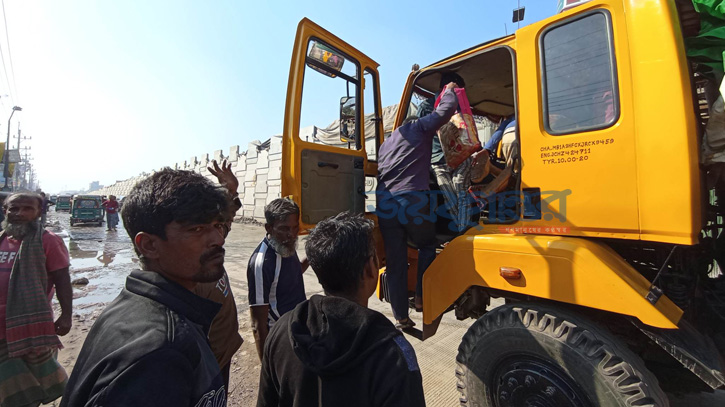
<point>10,55</point>
<point>7,79</point>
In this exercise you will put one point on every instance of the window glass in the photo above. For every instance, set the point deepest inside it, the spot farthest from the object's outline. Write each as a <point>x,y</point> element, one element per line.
<point>579,76</point>
<point>87,204</point>
<point>420,105</point>
<point>370,126</point>
<point>330,98</point>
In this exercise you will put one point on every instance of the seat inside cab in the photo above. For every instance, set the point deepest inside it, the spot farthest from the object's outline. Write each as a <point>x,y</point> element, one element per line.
<point>490,88</point>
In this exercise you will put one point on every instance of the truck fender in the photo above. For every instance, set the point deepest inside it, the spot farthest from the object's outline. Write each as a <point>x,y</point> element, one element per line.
<point>559,268</point>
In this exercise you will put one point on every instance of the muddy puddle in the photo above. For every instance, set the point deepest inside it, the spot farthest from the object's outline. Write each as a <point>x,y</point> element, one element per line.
<point>104,258</point>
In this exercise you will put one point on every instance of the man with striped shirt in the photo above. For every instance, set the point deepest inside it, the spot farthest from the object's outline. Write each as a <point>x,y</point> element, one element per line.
<point>274,273</point>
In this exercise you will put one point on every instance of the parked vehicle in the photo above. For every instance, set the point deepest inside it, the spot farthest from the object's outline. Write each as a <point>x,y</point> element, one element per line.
<point>601,237</point>
<point>63,203</point>
<point>86,209</point>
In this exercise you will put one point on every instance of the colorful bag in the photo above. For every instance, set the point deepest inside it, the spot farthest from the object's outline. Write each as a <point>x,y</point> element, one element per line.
<point>459,145</point>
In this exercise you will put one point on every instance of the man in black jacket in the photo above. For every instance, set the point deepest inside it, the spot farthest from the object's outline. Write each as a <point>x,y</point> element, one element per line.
<point>332,350</point>
<point>149,346</point>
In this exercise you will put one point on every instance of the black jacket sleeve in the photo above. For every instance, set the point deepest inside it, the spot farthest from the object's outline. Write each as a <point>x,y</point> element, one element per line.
<point>400,383</point>
<point>268,388</point>
<point>163,378</point>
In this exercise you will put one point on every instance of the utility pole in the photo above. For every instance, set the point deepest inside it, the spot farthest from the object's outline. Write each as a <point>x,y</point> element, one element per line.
<point>17,170</point>
<point>6,157</point>
<point>26,165</point>
<point>21,138</point>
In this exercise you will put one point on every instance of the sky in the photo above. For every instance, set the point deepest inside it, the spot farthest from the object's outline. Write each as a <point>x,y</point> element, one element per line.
<point>110,89</point>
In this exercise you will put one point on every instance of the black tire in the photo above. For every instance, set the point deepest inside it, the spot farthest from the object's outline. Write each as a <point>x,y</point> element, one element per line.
<point>532,354</point>
<point>71,222</point>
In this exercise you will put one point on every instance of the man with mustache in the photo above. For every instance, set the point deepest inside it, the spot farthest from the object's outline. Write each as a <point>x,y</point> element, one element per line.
<point>274,273</point>
<point>33,262</point>
<point>149,346</point>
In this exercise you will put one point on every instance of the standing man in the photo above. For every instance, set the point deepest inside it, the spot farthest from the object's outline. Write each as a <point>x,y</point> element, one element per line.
<point>403,173</point>
<point>111,206</point>
<point>332,350</point>
<point>274,273</point>
<point>46,206</point>
<point>33,262</point>
<point>149,346</point>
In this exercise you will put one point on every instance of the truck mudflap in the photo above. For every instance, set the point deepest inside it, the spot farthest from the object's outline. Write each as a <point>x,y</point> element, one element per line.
<point>695,351</point>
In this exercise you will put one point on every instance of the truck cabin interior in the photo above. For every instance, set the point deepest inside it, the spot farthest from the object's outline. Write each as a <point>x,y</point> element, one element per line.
<point>490,88</point>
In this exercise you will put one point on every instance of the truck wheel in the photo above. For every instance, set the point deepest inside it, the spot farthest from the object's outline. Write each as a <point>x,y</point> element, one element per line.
<point>71,222</point>
<point>537,355</point>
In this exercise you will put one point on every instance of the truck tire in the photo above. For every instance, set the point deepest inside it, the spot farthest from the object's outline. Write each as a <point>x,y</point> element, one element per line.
<point>71,222</point>
<point>531,354</point>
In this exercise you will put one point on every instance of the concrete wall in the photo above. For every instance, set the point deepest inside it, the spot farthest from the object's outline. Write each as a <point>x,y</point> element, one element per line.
<point>258,170</point>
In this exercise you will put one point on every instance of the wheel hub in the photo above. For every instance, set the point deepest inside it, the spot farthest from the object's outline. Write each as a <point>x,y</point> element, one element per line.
<point>533,383</point>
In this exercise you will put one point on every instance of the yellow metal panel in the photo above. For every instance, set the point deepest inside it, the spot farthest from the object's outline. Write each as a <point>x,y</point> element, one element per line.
<point>570,270</point>
<point>667,151</point>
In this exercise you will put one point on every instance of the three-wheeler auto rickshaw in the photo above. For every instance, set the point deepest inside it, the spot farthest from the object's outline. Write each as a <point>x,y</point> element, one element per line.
<point>63,203</point>
<point>86,209</point>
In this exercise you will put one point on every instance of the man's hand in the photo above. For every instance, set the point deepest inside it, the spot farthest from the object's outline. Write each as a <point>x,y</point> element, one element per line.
<point>225,176</point>
<point>63,324</point>
<point>451,85</point>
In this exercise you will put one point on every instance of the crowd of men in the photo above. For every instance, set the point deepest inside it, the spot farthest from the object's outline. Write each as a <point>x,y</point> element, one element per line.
<point>169,336</point>
<point>164,341</point>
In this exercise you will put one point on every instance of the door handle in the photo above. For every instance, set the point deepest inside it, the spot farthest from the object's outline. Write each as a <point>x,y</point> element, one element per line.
<point>331,165</point>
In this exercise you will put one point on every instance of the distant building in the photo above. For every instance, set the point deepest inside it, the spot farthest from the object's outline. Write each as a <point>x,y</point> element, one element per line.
<point>95,185</point>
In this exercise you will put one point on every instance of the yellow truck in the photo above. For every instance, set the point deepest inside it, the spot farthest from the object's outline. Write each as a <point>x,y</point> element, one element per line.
<point>602,237</point>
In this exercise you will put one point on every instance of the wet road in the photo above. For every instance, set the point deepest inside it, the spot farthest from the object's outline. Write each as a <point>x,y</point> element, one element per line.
<point>106,258</point>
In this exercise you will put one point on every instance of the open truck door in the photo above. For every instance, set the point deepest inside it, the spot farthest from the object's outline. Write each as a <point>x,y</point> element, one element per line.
<point>332,127</point>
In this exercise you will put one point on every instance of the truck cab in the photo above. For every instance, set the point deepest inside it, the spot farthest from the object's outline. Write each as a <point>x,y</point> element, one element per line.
<point>601,228</point>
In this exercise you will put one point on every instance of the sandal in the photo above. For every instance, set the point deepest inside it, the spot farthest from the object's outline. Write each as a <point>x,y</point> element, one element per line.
<point>404,324</point>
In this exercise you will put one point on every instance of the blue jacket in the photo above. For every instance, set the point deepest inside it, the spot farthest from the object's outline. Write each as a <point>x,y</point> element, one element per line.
<point>492,143</point>
<point>149,348</point>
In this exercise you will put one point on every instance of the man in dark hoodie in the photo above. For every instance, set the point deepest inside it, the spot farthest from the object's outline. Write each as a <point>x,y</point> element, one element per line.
<point>332,350</point>
<point>149,346</point>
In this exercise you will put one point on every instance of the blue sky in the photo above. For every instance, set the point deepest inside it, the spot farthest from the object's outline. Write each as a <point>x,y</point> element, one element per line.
<point>113,88</point>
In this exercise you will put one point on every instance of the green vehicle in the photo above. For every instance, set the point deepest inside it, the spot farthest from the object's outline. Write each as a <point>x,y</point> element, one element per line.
<point>63,203</point>
<point>86,209</point>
